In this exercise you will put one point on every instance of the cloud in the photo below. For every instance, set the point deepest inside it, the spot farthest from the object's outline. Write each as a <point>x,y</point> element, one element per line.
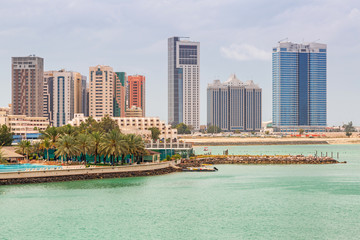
<point>245,52</point>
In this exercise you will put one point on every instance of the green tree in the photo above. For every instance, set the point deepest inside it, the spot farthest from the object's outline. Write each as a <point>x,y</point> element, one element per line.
<point>84,145</point>
<point>349,128</point>
<point>213,129</point>
<point>96,139</point>
<point>24,147</point>
<point>111,145</point>
<point>66,147</point>
<point>5,136</point>
<point>136,146</point>
<point>36,149</point>
<point>301,131</point>
<point>2,158</point>
<point>182,128</point>
<point>46,145</point>
<point>155,133</point>
<point>107,124</point>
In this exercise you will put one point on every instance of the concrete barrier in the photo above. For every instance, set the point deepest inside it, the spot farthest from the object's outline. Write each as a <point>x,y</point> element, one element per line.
<point>85,171</point>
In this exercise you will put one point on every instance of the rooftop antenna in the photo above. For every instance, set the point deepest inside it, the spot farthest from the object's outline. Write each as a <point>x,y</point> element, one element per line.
<point>283,40</point>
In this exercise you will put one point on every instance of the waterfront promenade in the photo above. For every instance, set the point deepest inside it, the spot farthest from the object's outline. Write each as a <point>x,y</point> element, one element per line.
<point>70,174</point>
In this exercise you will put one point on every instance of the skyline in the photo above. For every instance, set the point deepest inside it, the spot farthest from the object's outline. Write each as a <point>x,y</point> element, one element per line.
<point>230,43</point>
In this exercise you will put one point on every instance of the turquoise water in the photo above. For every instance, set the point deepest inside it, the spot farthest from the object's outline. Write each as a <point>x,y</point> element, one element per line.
<point>237,202</point>
<point>24,167</point>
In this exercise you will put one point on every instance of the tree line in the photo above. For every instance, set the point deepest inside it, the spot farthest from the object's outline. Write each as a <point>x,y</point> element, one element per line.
<point>102,140</point>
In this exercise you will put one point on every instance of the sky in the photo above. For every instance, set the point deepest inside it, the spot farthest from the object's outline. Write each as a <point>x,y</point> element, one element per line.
<point>236,36</point>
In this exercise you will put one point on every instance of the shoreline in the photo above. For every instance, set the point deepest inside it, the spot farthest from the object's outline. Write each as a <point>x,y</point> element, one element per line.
<point>88,176</point>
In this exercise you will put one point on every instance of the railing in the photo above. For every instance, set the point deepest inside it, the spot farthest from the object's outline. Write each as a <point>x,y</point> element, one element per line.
<point>172,145</point>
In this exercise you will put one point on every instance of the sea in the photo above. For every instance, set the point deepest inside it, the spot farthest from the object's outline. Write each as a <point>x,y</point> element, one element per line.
<point>237,202</point>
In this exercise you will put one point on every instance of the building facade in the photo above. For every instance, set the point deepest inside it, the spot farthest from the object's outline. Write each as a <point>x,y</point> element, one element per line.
<point>120,85</point>
<point>137,92</point>
<point>101,92</point>
<point>27,85</point>
<point>23,127</point>
<point>63,97</point>
<point>183,82</point>
<point>135,125</point>
<point>234,105</point>
<point>48,95</point>
<point>299,86</point>
<point>84,96</point>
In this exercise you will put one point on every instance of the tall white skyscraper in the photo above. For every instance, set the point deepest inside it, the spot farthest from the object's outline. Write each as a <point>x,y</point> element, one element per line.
<point>184,82</point>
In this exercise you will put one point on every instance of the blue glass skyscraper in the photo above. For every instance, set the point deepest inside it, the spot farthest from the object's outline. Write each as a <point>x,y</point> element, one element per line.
<point>299,86</point>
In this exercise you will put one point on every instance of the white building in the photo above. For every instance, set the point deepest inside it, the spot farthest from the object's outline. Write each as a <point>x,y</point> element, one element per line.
<point>135,125</point>
<point>184,82</point>
<point>21,125</point>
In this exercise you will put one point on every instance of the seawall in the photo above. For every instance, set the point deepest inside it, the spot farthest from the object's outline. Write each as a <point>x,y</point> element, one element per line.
<point>152,169</point>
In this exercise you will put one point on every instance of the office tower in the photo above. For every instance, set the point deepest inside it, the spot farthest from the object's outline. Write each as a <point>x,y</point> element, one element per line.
<point>137,92</point>
<point>79,88</point>
<point>64,97</point>
<point>27,85</point>
<point>299,86</point>
<point>84,95</point>
<point>234,105</point>
<point>183,82</point>
<point>87,107</point>
<point>48,95</point>
<point>101,93</point>
<point>120,85</point>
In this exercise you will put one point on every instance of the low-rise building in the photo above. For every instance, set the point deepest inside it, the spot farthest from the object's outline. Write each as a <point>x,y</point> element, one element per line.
<point>135,125</point>
<point>23,127</point>
<point>134,112</point>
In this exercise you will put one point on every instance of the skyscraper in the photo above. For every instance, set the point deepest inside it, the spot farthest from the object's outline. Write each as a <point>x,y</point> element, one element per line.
<point>299,86</point>
<point>101,93</point>
<point>183,82</point>
<point>48,95</point>
<point>27,86</point>
<point>137,92</point>
<point>84,96</point>
<point>234,105</point>
<point>120,85</point>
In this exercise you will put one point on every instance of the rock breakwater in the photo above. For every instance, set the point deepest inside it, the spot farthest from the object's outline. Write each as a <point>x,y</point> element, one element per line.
<point>245,159</point>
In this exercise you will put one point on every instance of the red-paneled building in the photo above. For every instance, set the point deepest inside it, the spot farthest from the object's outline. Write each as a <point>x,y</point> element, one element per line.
<point>137,92</point>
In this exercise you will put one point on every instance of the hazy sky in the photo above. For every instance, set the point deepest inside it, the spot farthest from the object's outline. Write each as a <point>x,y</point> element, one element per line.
<point>235,37</point>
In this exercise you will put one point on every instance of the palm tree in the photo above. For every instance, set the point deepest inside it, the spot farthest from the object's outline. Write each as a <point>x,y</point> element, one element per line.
<point>124,147</point>
<point>52,134</point>
<point>84,144</point>
<point>24,146</point>
<point>96,139</point>
<point>66,147</point>
<point>46,144</point>
<point>36,148</point>
<point>111,145</point>
<point>68,130</point>
<point>136,145</point>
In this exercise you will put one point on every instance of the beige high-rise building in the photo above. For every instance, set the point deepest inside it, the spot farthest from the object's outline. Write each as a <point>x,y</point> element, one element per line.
<point>101,92</point>
<point>27,86</point>
<point>78,108</point>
